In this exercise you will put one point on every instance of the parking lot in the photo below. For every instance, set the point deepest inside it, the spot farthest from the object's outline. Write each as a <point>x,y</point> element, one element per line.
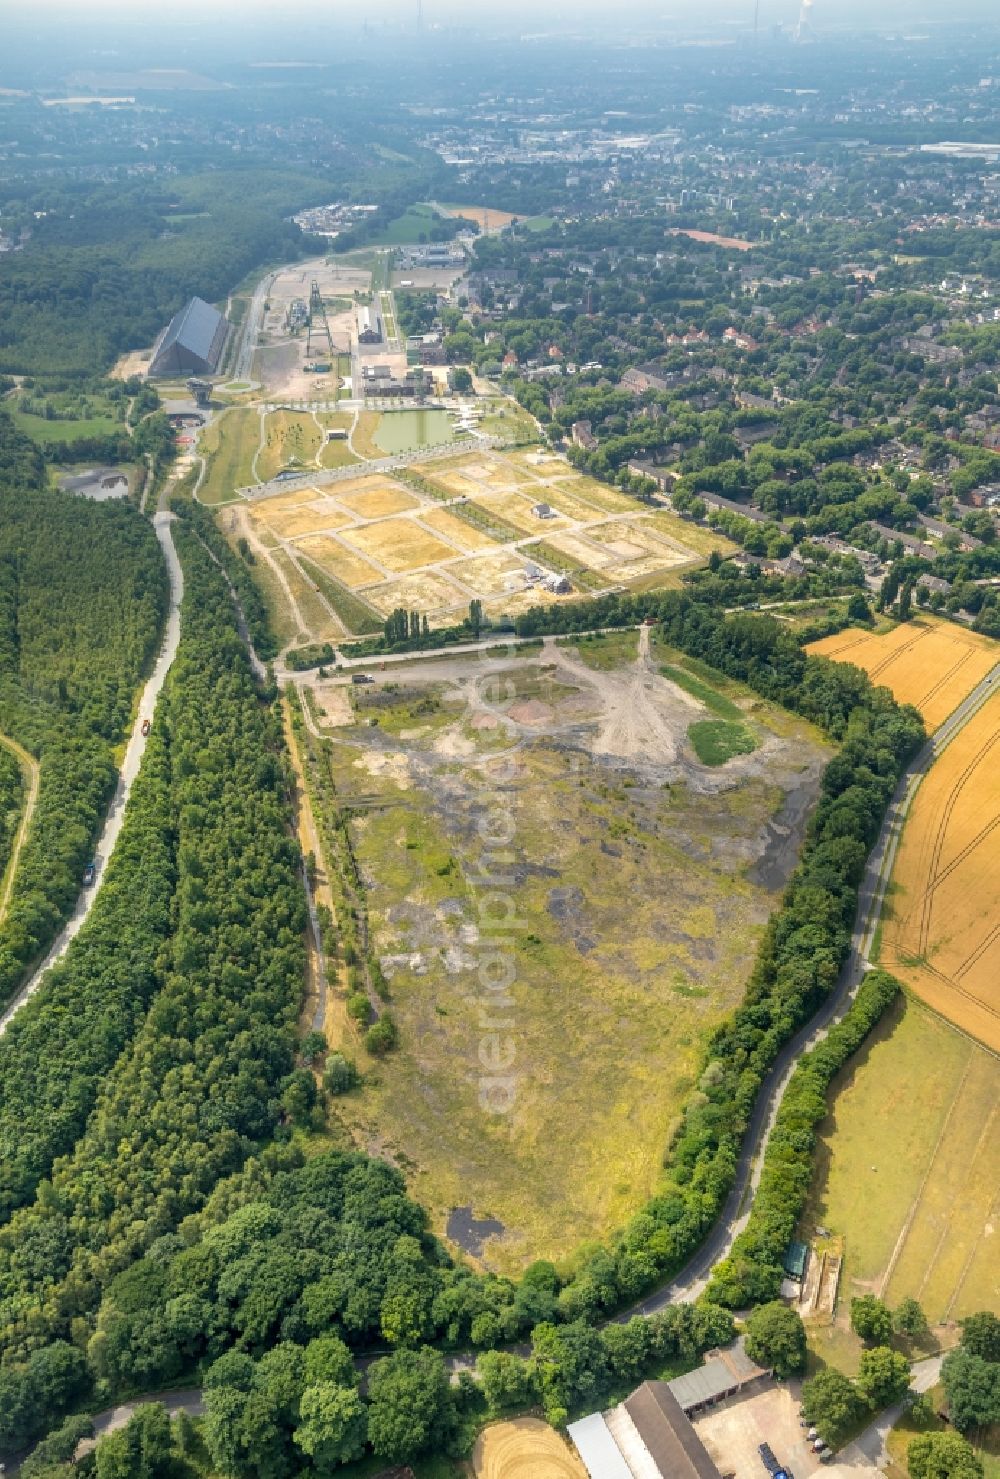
<point>733,1430</point>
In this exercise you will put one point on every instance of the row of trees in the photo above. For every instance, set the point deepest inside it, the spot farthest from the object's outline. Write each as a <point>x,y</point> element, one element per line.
<point>753,1270</point>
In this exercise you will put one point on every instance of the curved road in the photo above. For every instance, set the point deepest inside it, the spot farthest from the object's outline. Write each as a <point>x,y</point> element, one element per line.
<point>130,769</point>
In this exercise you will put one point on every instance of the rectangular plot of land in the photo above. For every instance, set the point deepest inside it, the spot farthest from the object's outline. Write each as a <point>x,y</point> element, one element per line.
<point>516,509</point>
<point>428,592</point>
<point>489,575</point>
<point>262,507</point>
<point>598,494</point>
<point>565,503</point>
<point>590,556</point>
<point>378,501</point>
<point>349,568</point>
<point>309,518</point>
<point>399,544</point>
<point>455,530</point>
<point>954,1211</point>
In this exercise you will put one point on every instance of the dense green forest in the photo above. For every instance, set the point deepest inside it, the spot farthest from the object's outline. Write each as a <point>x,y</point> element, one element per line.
<point>83,592</point>
<point>11,801</point>
<point>199,1085</point>
<point>109,265</point>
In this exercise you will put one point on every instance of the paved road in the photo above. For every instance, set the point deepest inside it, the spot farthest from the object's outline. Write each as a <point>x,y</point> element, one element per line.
<point>869,1448</point>
<point>130,769</point>
<point>250,329</point>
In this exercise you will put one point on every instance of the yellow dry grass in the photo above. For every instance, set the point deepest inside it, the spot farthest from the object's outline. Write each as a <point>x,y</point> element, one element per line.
<point>428,592</point>
<point>263,507</point>
<point>488,574</point>
<point>340,562</point>
<point>516,509</point>
<point>942,934</point>
<point>451,527</point>
<point>399,544</point>
<point>525,1448</point>
<point>483,215</point>
<point>378,501</point>
<point>926,661</point>
<point>909,1165</point>
<point>582,551</point>
<point>308,518</point>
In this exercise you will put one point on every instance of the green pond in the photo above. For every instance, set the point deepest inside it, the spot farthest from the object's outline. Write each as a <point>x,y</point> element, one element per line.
<point>408,431</point>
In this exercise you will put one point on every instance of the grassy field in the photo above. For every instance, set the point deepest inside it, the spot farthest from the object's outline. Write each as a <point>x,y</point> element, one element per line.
<point>41,429</point>
<point>927,662</point>
<point>408,228</point>
<point>638,910</point>
<point>909,1165</point>
<point>716,741</point>
<point>291,440</point>
<point>941,924</point>
<point>229,444</point>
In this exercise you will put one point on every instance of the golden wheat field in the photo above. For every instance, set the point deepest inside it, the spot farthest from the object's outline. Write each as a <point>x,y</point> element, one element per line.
<point>941,934</point>
<point>926,661</point>
<point>525,1448</point>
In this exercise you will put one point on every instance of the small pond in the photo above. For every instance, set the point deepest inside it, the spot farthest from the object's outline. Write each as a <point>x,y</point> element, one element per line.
<point>408,431</point>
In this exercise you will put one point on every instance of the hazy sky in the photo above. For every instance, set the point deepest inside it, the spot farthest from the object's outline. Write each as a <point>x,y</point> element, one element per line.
<point>540,14</point>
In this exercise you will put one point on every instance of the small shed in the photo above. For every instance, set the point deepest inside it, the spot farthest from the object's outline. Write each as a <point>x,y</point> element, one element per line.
<point>795,1260</point>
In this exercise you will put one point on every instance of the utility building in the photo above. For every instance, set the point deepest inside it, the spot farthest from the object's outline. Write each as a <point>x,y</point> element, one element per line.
<point>192,343</point>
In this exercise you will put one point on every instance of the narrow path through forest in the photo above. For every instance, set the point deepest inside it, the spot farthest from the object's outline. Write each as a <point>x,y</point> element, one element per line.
<point>29,765</point>
<point>130,769</point>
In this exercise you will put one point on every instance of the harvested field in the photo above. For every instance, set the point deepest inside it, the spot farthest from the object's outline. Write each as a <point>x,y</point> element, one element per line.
<point>926,661</point>
<point>525,1448</point>
<point>908,1168</point>
<point>638,877</point>
<point>941,925</point>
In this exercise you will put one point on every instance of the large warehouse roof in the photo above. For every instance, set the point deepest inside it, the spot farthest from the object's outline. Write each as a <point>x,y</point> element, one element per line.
<point>192,341</point>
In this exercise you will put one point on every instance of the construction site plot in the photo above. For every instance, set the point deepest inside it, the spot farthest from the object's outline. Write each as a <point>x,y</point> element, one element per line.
<point>512,529</point>
<point>344,564</point>
<point>926,661</point>
<point>941,925</point>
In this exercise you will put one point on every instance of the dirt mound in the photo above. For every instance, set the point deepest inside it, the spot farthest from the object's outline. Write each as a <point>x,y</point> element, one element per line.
<point>531,711</point>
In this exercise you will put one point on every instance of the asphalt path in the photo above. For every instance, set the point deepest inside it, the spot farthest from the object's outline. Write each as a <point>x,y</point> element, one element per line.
<point>130,769</point>
<point>250,329</point>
